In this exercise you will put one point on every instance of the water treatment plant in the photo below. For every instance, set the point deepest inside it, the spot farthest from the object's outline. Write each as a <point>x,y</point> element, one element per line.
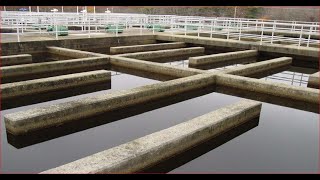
<point>86,92</point>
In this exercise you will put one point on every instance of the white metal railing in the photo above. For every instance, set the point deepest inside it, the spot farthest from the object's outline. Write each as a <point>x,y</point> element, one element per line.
<point>261,31</point>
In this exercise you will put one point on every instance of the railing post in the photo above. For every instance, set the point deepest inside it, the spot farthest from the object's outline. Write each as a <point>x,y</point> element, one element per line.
<point>300,36</point>
<point>171,25</point>
<point>185,27</point>
<point>273,29</point>
<point>89,27</point>
<point>211,28</point>
<point>228,35</point>
<point>152,28</point>
<point>240,30</point>
<point>309,37</point>
<point>117,29</point>
<point>140,26</point>
<point>262,28</point>
<point>18,33</point>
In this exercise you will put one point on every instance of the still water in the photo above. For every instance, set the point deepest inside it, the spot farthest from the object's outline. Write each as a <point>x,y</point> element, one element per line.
<point>285,139</point>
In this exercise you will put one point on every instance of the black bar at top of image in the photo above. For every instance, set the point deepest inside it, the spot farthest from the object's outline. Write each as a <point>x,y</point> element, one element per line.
<point>159,3</point>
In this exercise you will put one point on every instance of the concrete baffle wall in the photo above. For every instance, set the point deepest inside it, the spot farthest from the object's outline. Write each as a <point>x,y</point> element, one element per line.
<point>15,59</point>
<point>273,65</point>
<point>33,87</point>
<point>313,81</point>
<point>154,67</point>
<point>73,53</point>
<point>146,47</point>
<point>307,95</point>
<point>57,67</point>
<point>153,148</point>
<point>224,59</point>
<point>46,116</point>
<point>165,53</point>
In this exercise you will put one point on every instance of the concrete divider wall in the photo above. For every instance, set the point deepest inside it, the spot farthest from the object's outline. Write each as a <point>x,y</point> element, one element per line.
<point>47,67</point>
<point>30,47</point>
<point>73,53</point>
<point>15,59</point>
<point>30,87</point>
<point>154,67</point>
<point>146,47</point>
<point>259,67</point>
<point>164,53</point>
<point>307,95</point>
<point>222,57</point>
<point>153,148</point>
<point>24,121</point>
<point>270,48</point>
<point>314,80</point>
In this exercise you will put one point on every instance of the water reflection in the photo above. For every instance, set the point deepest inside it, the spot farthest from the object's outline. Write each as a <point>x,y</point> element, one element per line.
<point>144,74</point>
<point>206,146</point>
<point>53,95</point>
<point>224,63</point>
<point>83,124</point>
<point>269,98</point>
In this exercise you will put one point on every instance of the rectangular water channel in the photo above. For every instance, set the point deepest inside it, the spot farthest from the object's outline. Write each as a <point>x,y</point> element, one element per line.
<point>286,139</point>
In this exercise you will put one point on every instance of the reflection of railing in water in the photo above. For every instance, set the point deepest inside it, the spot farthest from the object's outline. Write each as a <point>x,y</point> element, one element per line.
<point>195,152</point>
<point>302,81</point>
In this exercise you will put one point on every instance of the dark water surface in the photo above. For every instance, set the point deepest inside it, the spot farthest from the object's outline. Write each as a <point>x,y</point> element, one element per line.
<point>284,140</point>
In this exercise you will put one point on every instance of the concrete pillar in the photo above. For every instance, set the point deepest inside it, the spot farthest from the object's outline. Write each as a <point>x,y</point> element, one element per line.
<point>15,59</point>
<point>47,116</point>
<point>55,83</point>
<point>151,149</point>
<point>146,47</point>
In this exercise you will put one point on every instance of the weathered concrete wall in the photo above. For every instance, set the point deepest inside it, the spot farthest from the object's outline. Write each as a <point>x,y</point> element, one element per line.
<point>307,95</point>
<point>261,67</point>
<point>154,67</point>
<point>58,67</point>
<point>250,70</point>
<point>55,83</point>
<point>314,80</point>
<point>57,114</point>
<point>146,47</point>
<point>164,53</point>
<point>16,59</point>
<point>34,47</point>
<point>73,53</point>
<point>308,54</point>
<point>303,51</point>
<point>227,58</point>
<point>153,148</point>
